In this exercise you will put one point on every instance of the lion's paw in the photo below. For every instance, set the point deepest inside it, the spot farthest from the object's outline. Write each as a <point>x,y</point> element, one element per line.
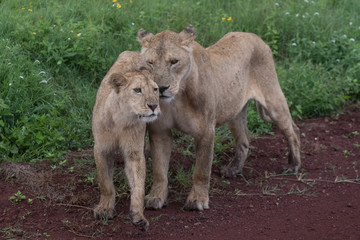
<point>141,224</point>
<point>102,213</point>
<point>154,203</point>
<point>292,168</point>
<point>139,221</point>
<point>229,172</point>
<point>196,205</point>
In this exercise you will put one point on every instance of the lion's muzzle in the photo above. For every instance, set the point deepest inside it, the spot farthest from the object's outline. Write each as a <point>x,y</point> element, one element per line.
<point>152,106</point>
<point>162,89</point>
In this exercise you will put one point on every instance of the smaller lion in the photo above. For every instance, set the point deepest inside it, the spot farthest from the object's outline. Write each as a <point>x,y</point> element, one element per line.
<point>127,99</point>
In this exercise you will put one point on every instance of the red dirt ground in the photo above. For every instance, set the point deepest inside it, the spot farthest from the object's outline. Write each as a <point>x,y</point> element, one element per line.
<point>322,202</point>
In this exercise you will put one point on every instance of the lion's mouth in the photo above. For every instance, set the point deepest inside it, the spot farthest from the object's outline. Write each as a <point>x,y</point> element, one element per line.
<point>147,118</point>
<point>166,98</point>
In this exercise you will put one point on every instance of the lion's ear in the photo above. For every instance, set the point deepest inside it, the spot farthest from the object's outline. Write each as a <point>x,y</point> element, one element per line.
<point>117,80</point>
<point>144,37</point>
<point>187,35</point>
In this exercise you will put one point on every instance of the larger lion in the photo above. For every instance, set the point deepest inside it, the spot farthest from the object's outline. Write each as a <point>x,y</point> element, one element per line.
<point>127,99</point>
<point>201,88</point>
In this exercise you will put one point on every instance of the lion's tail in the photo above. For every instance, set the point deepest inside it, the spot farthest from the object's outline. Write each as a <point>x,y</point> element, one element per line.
<point>262,113</point>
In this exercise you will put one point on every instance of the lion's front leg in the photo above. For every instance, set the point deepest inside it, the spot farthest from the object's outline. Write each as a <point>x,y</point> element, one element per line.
<point>135,169</point>
<point>104,166</point>
<point>160,146</point>
<point>198,198</point>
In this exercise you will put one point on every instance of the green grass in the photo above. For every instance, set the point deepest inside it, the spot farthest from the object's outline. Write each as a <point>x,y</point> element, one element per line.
<point>54,54</point>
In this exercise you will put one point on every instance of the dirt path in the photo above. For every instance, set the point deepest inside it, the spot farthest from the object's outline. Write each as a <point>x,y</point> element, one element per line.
<point>322,202</point>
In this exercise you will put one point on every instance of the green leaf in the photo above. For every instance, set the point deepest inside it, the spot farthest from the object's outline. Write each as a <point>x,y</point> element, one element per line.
<point>70,54</point>
<point>14,149</point>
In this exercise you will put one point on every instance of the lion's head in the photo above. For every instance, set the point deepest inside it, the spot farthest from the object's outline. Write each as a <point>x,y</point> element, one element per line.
<point>137,91</point>
<point>169,57</point>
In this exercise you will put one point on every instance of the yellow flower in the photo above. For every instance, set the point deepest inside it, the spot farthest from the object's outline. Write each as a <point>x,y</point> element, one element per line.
<point>229,19</point>
<point>71,31</point>
<point>118,5</point>
<point>114,1</point>
<point>131,1</point>
<point>223,18</point>
<point>34,33</point>
<point>30,10</point>
<point>22,8</point>
<point>78,35</point>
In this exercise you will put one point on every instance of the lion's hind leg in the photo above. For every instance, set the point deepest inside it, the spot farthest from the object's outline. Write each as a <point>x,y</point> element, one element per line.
<point>238,128</point>
<point>266,90</point>
<point>280,114</point>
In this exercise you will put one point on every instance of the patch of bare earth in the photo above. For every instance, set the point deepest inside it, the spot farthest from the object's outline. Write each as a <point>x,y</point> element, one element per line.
<point>322,202</point>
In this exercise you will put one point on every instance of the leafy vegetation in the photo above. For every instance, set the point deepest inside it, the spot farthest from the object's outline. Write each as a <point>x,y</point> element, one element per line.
<point>55,53</point>
<point>17,197</point>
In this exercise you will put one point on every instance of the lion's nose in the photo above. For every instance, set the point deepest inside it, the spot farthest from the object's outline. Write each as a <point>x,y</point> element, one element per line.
<point>163,89</point>
<point>152,106</point>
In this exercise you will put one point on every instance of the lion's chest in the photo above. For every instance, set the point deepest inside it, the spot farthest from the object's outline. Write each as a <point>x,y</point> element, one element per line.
<point>186,116</point>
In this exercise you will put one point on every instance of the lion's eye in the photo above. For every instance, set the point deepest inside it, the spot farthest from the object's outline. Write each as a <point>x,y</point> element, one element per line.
<point>150,62</point>
<point>174,61</point>
<point>137,90</point>
<point>156,89</point>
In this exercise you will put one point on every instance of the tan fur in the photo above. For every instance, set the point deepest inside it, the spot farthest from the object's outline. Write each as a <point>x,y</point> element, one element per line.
<point>202,88</point>
<point>119,122</point>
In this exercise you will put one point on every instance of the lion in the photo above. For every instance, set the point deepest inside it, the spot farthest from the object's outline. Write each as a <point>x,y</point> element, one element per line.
<point>201,88</point>
<point>127,99</point>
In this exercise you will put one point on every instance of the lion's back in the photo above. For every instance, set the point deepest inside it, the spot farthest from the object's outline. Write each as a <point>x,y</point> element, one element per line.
<point>239,62</point>
<point>239,46</point>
